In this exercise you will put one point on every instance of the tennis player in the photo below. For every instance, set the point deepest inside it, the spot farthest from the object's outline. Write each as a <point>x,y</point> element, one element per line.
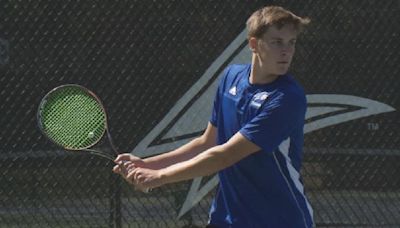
<point>253,140</point>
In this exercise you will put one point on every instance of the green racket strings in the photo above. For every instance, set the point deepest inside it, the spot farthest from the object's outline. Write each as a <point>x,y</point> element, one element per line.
<point>73,118</point>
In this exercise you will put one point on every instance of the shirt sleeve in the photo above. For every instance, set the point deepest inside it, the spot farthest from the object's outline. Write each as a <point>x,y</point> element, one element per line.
<point>277,119</point>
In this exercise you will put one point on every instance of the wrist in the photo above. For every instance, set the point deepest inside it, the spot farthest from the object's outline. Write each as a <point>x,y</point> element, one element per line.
<point>163,176</point>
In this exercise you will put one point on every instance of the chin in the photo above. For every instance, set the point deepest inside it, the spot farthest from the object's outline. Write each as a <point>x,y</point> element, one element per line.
<point>282,69</point>
<point>281,72</point>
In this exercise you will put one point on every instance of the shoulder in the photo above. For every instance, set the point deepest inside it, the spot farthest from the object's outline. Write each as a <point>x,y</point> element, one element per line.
<point>236,70</point>
<point>291,93</point>
<point>234,74</point>
<point>293,89</point>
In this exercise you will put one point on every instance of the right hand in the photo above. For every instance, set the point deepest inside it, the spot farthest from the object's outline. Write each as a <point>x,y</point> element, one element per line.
<point>125,164</point>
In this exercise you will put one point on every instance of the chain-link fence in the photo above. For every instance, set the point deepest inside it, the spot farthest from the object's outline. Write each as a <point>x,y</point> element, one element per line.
<point>155,62</point>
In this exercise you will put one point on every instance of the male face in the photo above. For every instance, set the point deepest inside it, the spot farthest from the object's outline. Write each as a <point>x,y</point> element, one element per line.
<point>275,49</point>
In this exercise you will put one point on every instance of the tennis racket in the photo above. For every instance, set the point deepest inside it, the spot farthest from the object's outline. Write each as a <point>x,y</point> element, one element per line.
<point>74,118</point>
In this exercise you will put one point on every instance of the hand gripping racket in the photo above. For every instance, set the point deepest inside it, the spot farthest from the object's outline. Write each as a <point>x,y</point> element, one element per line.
<point>74,118</point>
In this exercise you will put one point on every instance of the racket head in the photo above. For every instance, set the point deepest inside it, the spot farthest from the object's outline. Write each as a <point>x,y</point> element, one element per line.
<point>72,117</point>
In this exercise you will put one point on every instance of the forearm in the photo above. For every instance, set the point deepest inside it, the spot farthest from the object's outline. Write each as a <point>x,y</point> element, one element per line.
<point>210,161</point>
<point>181,154</point>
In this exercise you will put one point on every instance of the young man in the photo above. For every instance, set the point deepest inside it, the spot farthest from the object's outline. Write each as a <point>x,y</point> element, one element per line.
<point>254,138</point>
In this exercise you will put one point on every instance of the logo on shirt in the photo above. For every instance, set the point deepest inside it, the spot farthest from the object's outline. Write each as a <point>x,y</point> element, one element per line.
<point>232,91</point>
<point>259,99</point>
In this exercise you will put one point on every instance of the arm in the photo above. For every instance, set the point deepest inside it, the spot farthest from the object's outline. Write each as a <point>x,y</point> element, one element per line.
<point>185,152</point>
<point>210,161</point>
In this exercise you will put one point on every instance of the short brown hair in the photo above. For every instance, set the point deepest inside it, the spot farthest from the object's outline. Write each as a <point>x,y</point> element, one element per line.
<point>259,22</point>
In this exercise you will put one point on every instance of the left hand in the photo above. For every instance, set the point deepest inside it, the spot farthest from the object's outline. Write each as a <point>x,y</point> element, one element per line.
<point>125,162</point>
<point>144,178</point>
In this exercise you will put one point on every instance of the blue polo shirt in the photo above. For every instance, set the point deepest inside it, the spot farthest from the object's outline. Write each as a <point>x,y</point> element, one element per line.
<point>263,189</point>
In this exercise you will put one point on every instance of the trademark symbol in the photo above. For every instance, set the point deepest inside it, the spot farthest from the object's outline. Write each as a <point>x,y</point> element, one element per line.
<point>373,126</point>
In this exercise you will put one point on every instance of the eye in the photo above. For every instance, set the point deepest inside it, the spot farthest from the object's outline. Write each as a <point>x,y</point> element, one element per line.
<point>277,42</point>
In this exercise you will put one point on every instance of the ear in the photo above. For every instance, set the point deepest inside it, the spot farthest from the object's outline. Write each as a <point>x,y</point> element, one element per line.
<point>253,44</point>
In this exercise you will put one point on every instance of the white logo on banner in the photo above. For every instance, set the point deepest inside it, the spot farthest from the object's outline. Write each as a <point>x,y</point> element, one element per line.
<point>190,115</point>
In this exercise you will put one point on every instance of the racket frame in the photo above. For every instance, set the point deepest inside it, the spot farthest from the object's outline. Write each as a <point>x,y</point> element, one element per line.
<point>87,148</point>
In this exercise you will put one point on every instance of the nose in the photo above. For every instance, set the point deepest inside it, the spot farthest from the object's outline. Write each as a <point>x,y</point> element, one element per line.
<point>287,49</point>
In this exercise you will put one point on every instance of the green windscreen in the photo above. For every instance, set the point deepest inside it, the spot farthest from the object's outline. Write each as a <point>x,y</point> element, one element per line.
<point>72,118</point>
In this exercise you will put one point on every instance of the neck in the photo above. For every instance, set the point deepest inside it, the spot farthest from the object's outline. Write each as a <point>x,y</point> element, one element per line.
<point>260,76</point>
